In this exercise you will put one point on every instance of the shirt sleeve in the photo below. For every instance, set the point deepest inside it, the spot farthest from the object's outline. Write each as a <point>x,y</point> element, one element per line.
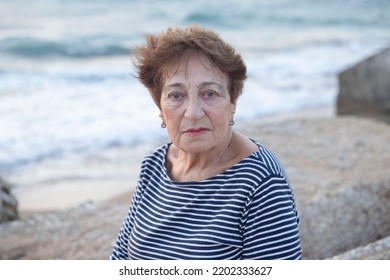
<point>120,251</point>
<point>271,223</point>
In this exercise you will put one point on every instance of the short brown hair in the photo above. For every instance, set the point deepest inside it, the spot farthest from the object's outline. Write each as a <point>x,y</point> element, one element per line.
<point>152,60</point>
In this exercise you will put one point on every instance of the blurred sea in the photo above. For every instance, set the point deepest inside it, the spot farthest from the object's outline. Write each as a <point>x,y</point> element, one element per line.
<point>66,84</point>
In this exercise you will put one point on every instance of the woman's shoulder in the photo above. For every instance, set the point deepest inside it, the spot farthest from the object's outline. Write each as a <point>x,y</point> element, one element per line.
<point>267,159</point>
<point>156,156</point>
<point>258,156</point>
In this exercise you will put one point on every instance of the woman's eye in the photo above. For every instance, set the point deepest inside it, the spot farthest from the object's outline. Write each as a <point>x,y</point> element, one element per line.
<point>210,94</point>
<point>175,96</point>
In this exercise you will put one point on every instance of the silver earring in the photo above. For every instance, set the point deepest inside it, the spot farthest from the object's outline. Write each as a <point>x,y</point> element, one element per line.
<point>231,123</point>
<point>163,125</point>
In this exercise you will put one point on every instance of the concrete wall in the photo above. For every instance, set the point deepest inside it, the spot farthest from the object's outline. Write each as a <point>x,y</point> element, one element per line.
<point>364,89</point>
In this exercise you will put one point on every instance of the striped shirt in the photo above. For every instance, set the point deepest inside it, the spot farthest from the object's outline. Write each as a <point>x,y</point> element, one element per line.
<point>245,212</point>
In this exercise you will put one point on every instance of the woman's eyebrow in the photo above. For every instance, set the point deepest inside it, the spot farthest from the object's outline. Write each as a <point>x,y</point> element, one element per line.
<point>174,85</point>
<point>205,84</point>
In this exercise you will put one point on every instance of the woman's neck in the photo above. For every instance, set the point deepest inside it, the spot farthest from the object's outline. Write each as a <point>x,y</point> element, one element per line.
<point>184,166</point>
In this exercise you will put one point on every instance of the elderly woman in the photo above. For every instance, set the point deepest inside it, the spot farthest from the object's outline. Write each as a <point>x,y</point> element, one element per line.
<point>211,193</point>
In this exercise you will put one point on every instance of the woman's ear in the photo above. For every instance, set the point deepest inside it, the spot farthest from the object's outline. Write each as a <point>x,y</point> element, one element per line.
<point>163,123</point>
<point>233,108</point>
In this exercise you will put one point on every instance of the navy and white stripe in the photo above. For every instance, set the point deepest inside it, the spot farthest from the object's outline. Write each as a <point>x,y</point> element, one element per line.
<point>246,212</point>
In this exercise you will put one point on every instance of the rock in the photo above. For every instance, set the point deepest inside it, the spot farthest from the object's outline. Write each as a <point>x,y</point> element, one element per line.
<point>378,250</point>
<point>8,203</point>
<point>344,216</point>
<point>364,89</point>
<point>86,232</point>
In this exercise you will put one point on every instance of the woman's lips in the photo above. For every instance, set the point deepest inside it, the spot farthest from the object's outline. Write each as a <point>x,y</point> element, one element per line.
<point>196,131</point>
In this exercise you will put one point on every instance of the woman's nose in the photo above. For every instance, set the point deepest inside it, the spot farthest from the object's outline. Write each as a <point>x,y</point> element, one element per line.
<point>194,110</point>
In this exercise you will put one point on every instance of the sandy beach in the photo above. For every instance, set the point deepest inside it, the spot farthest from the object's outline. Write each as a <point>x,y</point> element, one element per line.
<point>74,211</point>
<point>64,183</point>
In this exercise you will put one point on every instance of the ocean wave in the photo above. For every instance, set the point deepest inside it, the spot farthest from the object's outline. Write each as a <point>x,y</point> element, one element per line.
<point>10,80</point>
<point>41,48</point>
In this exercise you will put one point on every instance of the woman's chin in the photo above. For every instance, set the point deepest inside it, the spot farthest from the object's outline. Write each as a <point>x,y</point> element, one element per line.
<point>196,146</point>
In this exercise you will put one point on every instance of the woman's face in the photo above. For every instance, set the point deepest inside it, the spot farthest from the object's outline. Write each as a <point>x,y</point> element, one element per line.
<point>196,106</point>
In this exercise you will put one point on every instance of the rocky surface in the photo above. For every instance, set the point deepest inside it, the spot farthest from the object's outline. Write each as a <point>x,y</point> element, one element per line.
<point>85,232</point>
<point>339,169</point>
<point>378,250</point>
